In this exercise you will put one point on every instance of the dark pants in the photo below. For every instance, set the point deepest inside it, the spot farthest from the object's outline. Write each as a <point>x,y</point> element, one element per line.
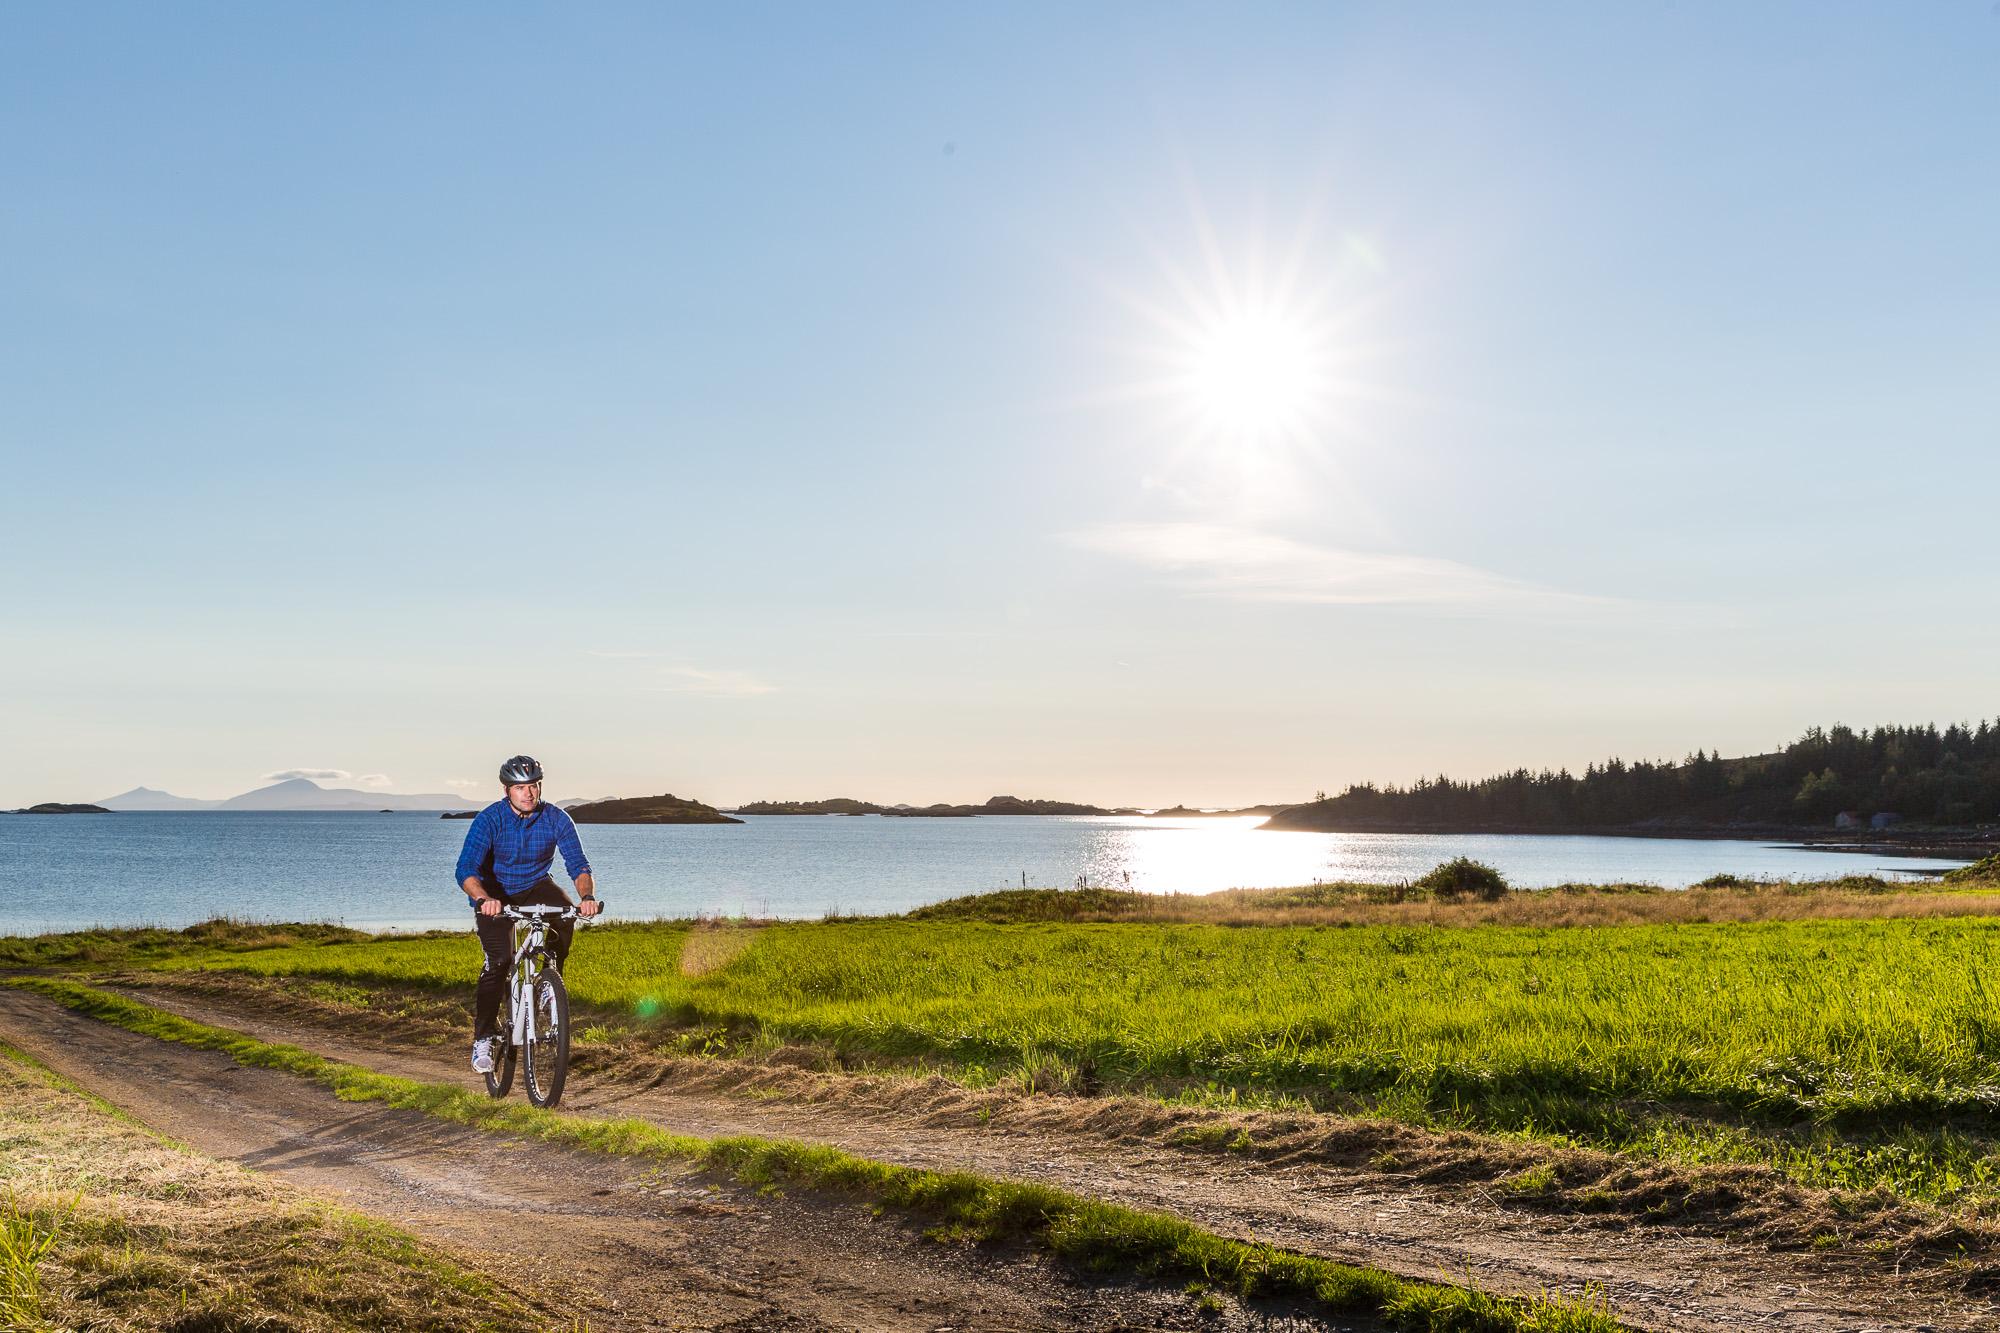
<point>496,936</point>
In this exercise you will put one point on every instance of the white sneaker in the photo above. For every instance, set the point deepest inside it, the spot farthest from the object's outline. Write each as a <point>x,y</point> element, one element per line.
<point>482,1056</point>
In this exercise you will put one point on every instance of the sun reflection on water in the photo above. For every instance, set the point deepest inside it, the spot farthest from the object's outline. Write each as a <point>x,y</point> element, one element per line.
<point>1201,855</point>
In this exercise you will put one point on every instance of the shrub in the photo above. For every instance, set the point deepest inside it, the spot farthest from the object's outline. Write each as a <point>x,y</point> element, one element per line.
<point>1463,877</point>
<point>1725,881</point>
<point>1984,869</point>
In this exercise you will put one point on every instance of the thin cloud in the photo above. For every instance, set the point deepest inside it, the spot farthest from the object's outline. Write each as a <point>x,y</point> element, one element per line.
<point>716,684</point>
<point>1214,560</point>
<point>722,684</point>
<point>374,780</point>
<point>462,784</point>
<point>932,634</point>
<point>310,774</point>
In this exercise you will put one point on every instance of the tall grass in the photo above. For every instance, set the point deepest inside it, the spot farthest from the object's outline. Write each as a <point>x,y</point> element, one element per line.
<point>27,1234</point>
<point>1719,898</point>
<point>124,945</point>
<point>106,1225</point>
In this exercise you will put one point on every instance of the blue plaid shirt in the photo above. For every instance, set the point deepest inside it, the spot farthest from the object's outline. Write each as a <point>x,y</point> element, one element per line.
<point>513,852</point>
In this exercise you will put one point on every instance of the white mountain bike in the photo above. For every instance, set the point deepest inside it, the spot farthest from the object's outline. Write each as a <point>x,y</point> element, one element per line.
<point>534,1015</point>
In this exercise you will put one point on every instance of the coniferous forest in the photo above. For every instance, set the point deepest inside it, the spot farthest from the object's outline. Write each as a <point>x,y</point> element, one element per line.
<point>1921,773</point>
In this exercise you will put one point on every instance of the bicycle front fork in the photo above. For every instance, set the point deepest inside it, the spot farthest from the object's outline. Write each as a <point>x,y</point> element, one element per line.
<point>525,977</point>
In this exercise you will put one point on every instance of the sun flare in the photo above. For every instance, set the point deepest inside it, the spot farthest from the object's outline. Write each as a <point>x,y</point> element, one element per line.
<point>1254,373</point>
<point>1248,375</point>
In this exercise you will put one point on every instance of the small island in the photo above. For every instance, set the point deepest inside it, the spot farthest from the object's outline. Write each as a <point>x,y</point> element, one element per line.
<point>1188,812</point>
<point>459,814</point>
<point>667,809</point>
<point>1014,805</point>
<point>832,805</point>
<point>998,805</point>
<point>59,808</point>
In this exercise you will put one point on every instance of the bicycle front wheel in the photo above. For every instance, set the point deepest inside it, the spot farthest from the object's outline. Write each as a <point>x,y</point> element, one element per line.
<point>501,1076</point>
<point>547,1061</point>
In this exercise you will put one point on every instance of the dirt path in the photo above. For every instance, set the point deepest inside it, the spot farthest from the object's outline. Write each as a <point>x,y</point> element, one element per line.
<point>640,1248</point>
<point>1655,1277</point>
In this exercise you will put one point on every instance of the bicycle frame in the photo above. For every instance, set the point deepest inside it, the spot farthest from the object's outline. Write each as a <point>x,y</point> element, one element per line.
<point>527,967</point>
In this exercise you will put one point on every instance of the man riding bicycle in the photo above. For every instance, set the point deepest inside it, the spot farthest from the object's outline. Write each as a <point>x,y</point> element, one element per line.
<point>506,860</point>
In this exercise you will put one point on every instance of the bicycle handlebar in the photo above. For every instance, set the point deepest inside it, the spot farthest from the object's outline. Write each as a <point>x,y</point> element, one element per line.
<point>546,913</point>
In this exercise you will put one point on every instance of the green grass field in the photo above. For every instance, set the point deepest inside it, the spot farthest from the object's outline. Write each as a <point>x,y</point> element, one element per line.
<point>1850,1053</point>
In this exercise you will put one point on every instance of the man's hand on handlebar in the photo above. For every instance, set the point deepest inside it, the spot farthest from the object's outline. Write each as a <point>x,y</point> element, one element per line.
<point>589,906</point>
<point>489,907</point>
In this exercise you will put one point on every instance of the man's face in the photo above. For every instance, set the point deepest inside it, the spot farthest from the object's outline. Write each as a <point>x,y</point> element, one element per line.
<point>524,796</point>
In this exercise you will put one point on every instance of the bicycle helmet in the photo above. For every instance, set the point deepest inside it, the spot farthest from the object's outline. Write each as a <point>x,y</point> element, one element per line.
<point>521,768</point>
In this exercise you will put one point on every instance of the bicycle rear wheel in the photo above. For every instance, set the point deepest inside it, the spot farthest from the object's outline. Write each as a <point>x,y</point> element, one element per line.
<point>501,1076</point>
<point>548,1050</point>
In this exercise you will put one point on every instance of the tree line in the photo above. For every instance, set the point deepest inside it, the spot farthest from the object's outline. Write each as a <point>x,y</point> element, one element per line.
<point>1922,773</point>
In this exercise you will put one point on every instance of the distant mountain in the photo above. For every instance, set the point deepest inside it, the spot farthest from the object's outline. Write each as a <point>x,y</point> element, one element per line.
<point>305,794</point>
<point>292,794</point>
<point>146,798</point>
<point>300,794</point>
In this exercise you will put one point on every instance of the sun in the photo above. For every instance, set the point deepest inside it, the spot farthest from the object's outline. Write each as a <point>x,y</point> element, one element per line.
<point>1246,377</point>
<point>1254,374</point>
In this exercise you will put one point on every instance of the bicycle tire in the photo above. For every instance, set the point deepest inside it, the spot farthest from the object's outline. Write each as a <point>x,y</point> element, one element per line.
<point>501,1077</point>
<point>547,1056</point>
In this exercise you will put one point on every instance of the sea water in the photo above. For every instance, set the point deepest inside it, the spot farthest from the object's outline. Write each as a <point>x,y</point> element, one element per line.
<point>394,871</point>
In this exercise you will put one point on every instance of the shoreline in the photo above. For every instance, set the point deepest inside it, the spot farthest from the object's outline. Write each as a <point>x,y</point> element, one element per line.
<point>1934,843</point>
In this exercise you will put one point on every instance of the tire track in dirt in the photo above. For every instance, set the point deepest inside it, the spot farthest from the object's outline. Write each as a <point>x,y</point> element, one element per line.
<point>641,1246</point>
<point>1654,1277</point>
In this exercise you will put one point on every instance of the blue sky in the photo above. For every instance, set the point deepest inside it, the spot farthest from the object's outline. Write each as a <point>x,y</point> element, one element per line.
<point>789,401</point>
